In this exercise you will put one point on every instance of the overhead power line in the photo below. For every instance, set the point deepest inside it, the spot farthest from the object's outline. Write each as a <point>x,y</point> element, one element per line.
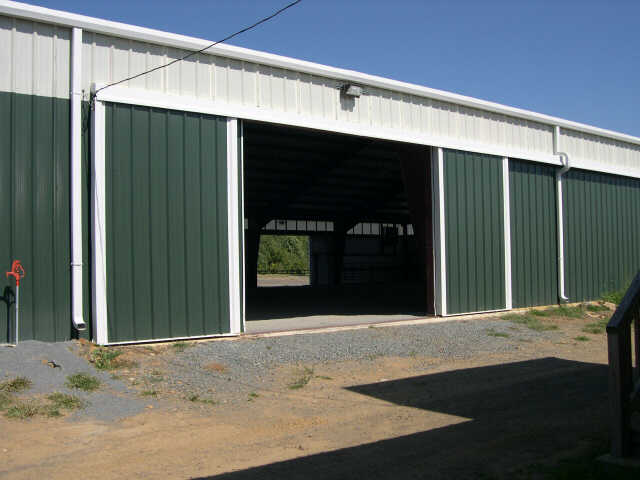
<point>229,37</point>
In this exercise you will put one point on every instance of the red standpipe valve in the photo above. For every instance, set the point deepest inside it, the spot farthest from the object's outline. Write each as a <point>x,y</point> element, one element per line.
<point>17,272</point>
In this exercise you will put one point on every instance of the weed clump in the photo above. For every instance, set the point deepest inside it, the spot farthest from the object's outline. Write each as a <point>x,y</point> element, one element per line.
<point>494,333</point>
<point>615,296</point>
<point>18,384</point>
<point>565,311</point>
<point>23,410</point>
<point>83,381</point>
<point>108,359</point>
<point>304,377</point>
<point>596,328</point>
<point>195,398</point>
<point>60,401</point>
<point>180,347</point>
<point>530,321</point>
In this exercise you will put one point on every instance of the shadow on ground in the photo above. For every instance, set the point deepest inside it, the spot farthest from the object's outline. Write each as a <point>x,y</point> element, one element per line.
<point>520,413</point>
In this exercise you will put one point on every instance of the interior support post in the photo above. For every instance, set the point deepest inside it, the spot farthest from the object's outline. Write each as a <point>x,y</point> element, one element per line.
<point>252,246</point>
<point>338,240</point>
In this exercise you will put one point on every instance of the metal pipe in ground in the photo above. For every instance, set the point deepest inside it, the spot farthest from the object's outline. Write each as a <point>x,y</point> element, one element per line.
<point>17,272</point>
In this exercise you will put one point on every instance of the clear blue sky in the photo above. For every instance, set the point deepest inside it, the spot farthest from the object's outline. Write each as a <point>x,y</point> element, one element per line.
<point>576,59</point>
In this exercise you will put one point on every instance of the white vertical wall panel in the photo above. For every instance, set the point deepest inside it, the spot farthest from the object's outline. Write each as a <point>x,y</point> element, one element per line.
<point>34,58</point>
<point>600,153</point>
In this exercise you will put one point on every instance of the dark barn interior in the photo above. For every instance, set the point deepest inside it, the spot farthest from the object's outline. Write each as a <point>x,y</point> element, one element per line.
<point>365,205</point>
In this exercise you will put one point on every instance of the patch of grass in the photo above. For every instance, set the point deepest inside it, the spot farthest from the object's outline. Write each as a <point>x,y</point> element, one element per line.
<point>530,321</point>
<point>196,398</point>
<point>493,333</point>
<point>83,381</point>
<point>303,379</point>
<point>597,308</point>
<point>596,328</point>
<point>570,312</point>
<point>539,313</point>
<point>65,401</point>
<point>252,396</point>
<point>615,296</point>
<point>582,338</point>
<point>181,346</point>
<point>109,359</point>
<point>23,410</point>
<point>18,384</point>
<point>149,393</point>
<point>323,377</point>
<point>5,401</point>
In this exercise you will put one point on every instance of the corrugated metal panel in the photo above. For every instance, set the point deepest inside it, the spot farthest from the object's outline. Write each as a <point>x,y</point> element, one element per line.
<point>592,151</point>
<point>167,252</point>
<point>474,232</point>
<point>34,58</point>
<point>602,233</point>
<point>34,224</point>
<point>534,251</point>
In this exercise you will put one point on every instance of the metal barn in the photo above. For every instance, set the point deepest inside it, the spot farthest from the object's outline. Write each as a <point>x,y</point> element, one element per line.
<point>137,209</point>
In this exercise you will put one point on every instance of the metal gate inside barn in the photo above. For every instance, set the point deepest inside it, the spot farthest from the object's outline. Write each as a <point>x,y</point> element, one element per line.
<point>167,259</point>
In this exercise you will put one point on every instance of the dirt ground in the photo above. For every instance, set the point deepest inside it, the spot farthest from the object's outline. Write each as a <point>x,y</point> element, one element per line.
<point>276,280</point>
<point>490,416</point>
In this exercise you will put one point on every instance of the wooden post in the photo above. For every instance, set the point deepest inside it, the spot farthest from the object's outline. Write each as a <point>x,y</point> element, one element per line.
<point>620,386</point>
<point>636,342</point>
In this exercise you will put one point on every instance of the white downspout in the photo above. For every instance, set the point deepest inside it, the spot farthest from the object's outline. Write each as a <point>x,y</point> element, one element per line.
<point>76,179</point>
<point>564,160</point>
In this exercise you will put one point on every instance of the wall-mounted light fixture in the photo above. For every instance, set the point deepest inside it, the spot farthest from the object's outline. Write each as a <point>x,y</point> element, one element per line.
<point>351,90</point>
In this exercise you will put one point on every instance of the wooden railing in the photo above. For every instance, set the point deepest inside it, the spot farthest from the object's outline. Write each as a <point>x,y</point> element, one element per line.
<point>624,382</point>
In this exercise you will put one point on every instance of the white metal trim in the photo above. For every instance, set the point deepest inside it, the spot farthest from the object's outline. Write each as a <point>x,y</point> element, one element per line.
<point>75,167</point>
<point>98,207</point>
<point>172,339</point>
<point>135,96</point>
<point>233,226</point>
<point>507,234</point>
<point>158,37</point>
<point>440,263</point>
<point>461,314</point>
<point>241,226</point>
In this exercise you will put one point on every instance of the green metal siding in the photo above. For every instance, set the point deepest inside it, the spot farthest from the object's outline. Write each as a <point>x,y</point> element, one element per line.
<point>34,224</point>
<point>474,232</point>
<point>86,223</point>
<point>167,252</point>
<point>602,233</point>
<point>534,241</point>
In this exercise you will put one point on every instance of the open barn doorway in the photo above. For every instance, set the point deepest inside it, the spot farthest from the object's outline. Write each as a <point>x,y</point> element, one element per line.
<point>365,207</point>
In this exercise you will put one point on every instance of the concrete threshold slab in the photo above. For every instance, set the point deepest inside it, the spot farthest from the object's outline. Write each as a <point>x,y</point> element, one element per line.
<point>372,324</point>
<point>360,326</point>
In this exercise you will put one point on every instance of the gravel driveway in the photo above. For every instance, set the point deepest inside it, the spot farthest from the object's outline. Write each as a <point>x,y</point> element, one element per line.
<point>230,371</point>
